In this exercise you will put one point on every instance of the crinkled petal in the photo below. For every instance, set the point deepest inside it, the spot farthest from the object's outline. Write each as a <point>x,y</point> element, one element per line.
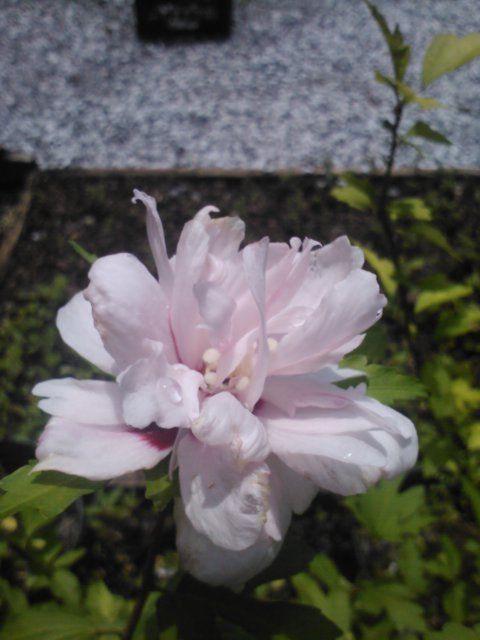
<point>224,421</point>
<point>254,264</point>
<point>88,401</point>
<point>154,391</point>
<point>224,500</point>
<point>343,450</point>
<point>298,491</point>
<point>75,324</point>
<point>156,238</point>
<point>129,309</point>
<point>345,312</point>
<point>100,452</point>
<point>216,565</point>
<point>216,308</point>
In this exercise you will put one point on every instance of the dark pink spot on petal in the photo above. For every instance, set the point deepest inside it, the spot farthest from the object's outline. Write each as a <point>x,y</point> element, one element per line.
<point>157,437</point>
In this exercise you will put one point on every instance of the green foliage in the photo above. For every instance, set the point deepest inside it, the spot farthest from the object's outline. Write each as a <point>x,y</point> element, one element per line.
<point>83,253</point>
<point>48,493</point>
<point>355,192</point>
<point>446,53</point>
<point>423,130</point>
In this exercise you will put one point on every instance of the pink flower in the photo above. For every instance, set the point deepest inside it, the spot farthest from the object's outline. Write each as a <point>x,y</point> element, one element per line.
<point>228,361</point>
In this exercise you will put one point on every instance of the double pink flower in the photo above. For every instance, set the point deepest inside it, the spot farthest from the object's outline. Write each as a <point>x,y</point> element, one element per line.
<point>227,361</point>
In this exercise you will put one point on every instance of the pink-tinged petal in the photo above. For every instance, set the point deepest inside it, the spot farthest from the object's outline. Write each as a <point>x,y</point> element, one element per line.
<point>100,452</point>
<point>216,308</point>
<point>75,324</point>
<point>346,311</point>
<point>192,251</point>
<point>216,565</point>
<point>298,491</point>
<point>154,391</point>
<point>342,450</point>
<point>224,421</point>
<point>156,238</point>
<point>254,264</point>
<point>290,393</point>
<point>129,308</point>
<point>90,401</point>
<point>224,500</point>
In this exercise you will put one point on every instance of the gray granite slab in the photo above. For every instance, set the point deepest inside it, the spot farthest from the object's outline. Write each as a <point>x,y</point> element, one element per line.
<point>292,88</point>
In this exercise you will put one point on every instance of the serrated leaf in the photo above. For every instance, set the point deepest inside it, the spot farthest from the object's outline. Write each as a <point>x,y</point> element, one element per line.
<point>357,193</point>
<point>49,493</point>
<point>414,208</point>
<point>388,385</point>
<point>453,630</point>
<point>103,604</point>
<point>423,130</point>
<point>446,53</point>
<point>389,514</point>
<point>433,235</point>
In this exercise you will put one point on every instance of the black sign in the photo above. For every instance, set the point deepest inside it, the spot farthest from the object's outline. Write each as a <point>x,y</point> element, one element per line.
<point>183,19</point>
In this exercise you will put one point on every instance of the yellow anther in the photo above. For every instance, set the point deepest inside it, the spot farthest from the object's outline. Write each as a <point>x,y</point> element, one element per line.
<point>211,356</point>
<point>242,384</point>
<point>272,345</point>
<point>210,378</point>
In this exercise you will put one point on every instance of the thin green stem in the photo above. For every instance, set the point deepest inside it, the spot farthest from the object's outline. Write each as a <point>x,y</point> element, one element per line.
<point>148,579</point>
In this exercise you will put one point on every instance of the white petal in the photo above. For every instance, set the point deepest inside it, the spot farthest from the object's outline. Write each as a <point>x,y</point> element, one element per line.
<point>225,421</point>
<point>100,452</point>
<point>156,238</point>
<point>154,391</point>
<point>216,565</point>
<point>216,308</point>
<point>88,401</point>
<point>223,500</point>
<point>75,324</point>
<point>345,312</point>
<point>297,489</point>
<point>129,308</point>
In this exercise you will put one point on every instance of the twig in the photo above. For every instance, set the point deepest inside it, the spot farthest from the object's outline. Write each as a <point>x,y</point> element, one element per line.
<point>389,234</point>
<point>148,579</point>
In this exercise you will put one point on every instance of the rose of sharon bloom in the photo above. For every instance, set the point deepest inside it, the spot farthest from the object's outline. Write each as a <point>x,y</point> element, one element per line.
<point>227,361</point>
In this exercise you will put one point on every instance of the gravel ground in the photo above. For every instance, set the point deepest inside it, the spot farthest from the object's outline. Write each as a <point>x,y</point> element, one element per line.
<point>292,88</point>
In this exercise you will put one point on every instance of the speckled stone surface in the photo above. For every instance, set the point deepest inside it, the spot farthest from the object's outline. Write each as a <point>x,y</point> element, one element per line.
<point>292,88</point>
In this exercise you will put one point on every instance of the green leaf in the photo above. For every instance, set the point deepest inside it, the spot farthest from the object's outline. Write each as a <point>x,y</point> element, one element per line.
<point>453,630</point>
<point>399,50</point>
<point>357,193</point>
<point>14,597</point>
<point>48,621</point>
<point>388,385</point>
<point>455,602</point>
<point>384,268</point>
<point>335,604</point>
<point>447,52</point>
<point>388,514</point>
<point>409,208</point>
<point>396,600</point>
<point>445,293</point>
<point>473,494</point>
<point>459,322</point>
<point>49,493</point>
<point>423,130</point>
<point>159,488</point>
<point>410,96</point>
<point>434,236</point>
<point>66,587</point>
<point>410,563</point>
<point>103,604</point>
<point>86,255</point>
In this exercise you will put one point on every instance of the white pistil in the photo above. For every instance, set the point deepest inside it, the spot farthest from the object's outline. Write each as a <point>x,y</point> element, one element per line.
<point>211,356</point>
<point>210,378</point>
<point>272,345</point>
<point>242,384</point>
